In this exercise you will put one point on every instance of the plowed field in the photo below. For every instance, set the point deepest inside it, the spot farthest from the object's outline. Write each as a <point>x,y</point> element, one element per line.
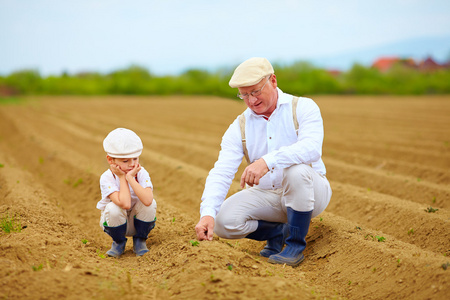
<point>388,161</point>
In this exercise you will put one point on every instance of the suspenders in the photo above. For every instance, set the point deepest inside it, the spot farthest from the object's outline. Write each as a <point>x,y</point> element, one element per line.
<point>242,126</point>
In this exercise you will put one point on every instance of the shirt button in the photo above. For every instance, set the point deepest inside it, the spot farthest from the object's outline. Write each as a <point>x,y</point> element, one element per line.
<point>270,137</point>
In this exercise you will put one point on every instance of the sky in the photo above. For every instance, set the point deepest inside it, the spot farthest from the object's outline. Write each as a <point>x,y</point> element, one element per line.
<point>169,37</point>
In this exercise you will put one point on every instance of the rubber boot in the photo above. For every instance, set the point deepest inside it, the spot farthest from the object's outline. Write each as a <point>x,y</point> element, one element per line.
<point>274,233</point>
<point>119,240</point>
<point>298,223</point>
<point>139,239</point>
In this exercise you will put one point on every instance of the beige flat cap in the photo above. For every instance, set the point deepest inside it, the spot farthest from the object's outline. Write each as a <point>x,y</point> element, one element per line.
<point>250,72</point>
<point>122,143</point>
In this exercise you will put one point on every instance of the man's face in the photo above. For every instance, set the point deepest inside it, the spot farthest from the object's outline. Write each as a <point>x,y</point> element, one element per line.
<point>266,102</point>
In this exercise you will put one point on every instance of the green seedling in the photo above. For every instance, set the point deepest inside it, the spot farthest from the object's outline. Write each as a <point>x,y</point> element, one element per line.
<point>320,219</point>
<point>434,199</point>
<point>173,220</point>
<point>10,224</point>
<point>41,160</point>
<point>194,243</point>
<point>419,179</point>
<point>78,182</point>
<point>410,231</point>
<point>230,266</point>
<point>38,268</point>
<point>431,210</point>
<point>2,165</point>
<point>359,228</point>
<point>398,262</point>
<point>84,241</point>
<point>374,270</point>
<point>101,255</point>
<point>380,238</point>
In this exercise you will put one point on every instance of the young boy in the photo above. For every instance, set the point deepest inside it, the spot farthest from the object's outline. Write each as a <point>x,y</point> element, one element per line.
<point>127,204</point>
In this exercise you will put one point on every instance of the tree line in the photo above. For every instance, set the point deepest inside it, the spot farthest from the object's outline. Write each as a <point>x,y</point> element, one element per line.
<point>300,78</point>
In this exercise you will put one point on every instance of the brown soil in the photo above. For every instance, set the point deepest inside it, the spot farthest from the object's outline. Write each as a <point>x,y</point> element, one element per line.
<point>388,160</point>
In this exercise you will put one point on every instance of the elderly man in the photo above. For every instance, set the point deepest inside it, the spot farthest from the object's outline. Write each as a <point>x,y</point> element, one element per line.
<point>281,137</point>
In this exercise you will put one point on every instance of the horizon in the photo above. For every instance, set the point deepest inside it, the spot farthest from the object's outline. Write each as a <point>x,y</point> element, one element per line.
<point>171,38</point>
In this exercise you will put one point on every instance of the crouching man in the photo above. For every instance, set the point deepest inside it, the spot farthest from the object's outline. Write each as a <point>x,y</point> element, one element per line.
<point>281,138</point>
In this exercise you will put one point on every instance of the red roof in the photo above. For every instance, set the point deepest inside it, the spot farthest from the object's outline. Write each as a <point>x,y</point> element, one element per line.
<point>385,63</point>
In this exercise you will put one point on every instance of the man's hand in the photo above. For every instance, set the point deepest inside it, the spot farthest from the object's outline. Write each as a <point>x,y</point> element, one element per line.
<point>253,173</point>
<point>205,228</point>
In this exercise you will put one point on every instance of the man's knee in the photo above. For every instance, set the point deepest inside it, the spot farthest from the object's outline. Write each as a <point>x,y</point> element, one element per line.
<point>297,173</point>
<point>227,226</point>
<point>221,224</point>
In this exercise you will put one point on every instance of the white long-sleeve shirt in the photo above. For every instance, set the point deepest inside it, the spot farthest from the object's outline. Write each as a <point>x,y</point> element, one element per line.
<point>275,140</point>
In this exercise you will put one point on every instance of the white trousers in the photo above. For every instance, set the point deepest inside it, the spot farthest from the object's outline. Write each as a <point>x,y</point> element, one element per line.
<point>114,215</point>
<point>303,190</point>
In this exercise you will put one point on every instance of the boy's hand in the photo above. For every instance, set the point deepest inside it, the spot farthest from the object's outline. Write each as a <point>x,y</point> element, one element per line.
<point>117,170</point>
<point>135,170</point>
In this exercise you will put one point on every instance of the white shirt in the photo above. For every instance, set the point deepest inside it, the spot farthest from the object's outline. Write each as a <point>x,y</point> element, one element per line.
<point>275,140</point>
<point>110,183</point>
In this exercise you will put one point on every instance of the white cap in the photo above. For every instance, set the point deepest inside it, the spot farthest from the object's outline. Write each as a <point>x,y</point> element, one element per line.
<point>122,143</point>
<point>250,72</point>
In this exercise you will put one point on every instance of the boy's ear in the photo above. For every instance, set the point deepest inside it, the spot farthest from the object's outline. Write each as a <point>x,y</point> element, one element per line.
<point>110,159</point>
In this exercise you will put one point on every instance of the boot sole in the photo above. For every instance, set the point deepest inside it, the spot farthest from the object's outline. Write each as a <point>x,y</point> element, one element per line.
<point>282,260</point>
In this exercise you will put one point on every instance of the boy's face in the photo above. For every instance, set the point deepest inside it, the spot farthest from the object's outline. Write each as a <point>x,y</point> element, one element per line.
<point>125,164</point>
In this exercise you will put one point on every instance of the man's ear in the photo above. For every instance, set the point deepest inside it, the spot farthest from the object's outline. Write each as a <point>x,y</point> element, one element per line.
<point>273,80</point>
<point>110,159</point>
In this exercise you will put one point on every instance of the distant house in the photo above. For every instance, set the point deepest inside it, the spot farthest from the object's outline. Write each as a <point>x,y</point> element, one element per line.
<point>334,73</point>
<point>384,64</point>
<point>429,65</point>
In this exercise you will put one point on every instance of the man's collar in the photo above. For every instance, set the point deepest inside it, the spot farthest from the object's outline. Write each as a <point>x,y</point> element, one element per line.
<point>282,99</point>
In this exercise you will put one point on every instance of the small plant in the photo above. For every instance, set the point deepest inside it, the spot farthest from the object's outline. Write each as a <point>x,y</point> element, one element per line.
<point>419,179</point>
<point>8,224</point>
<point>2,165</point>
<point>320,219</point>
<point>41,160</point>
<point>434,199</point>
<point>431,210</point>
<point>78,182</point>
<point>194,243</point>
<point>398,262</point>
<point>359,228</point>
<point>38,268</point>
<point>380,238</point>
<point>84,241</point>
<point>173,220</point>
<point>101,255</point>
<point>230,266</point>
<point>410,231</point>
<point>374,270</point>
